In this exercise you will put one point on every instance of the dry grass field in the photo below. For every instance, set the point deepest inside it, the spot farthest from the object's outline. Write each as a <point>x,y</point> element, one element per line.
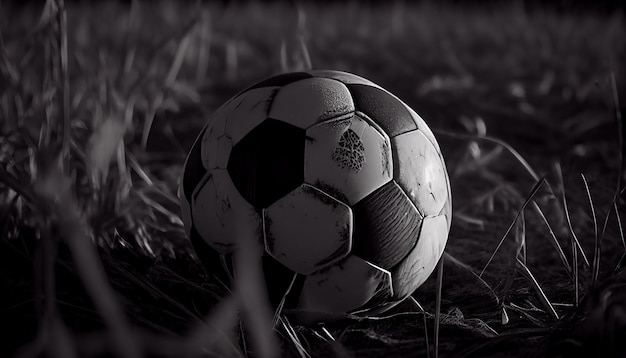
<point>99,104</point>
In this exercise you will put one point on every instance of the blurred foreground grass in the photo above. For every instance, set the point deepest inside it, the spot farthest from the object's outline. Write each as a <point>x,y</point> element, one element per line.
<point>99,104</point>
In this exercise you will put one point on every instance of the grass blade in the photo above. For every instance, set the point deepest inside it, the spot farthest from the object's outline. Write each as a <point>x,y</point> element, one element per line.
<point>621,235</point>
<point>419,306</point>
<point>4,214</point>
<point>555,241</point>
<point>16,185</point>
<point>178,61</point>
<point>619,225</point>
<point>169,79</point>
<point>232,60</point>
<point>462,217</point>
<point>284,61</point>
<point>328,334</point>
<point>215,335</point>
<point>542,296</point>
<point>504,316</point>
<point>596,247</point>
<point>532,193</point>
<point>293,337</point>
<point>621,147</point>
<point>522,240</point>
<point>254,300</point>
<point>469,269</point>
<point>130,47</point>
<point>306,58</point>
<point>620,162</point>
<point>575,267</point>
<point>204,52</point>
<point>575,241</point>
<point>55,189</point>
<point>520,253</point>
<point>438,304</point>
<point>281,304</point>
<point>620,152</point>
<point>497,141</point>
<point>65,92</point>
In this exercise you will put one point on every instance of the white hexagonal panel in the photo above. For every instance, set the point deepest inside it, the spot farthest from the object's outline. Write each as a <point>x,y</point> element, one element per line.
<point>415,268</point>
<point>221,215</point>
<point>309,101</point>
<point>347,157</point>
<point>345,287</point>
<point>345,77</point>
<point>419,170</point>
<point>307,230</point>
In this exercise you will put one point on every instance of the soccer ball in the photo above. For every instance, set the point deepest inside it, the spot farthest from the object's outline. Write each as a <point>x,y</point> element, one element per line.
<point>342,185</point>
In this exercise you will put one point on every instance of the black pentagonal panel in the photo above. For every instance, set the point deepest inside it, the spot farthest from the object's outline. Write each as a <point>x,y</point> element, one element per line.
<point>384,109</point>
<point>194,171</point>
<point>268,162</point>
<point>281,80</point>
<point>386,226</point>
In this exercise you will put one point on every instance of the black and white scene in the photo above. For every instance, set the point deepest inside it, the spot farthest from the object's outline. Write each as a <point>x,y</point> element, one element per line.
<point>302,179</point>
